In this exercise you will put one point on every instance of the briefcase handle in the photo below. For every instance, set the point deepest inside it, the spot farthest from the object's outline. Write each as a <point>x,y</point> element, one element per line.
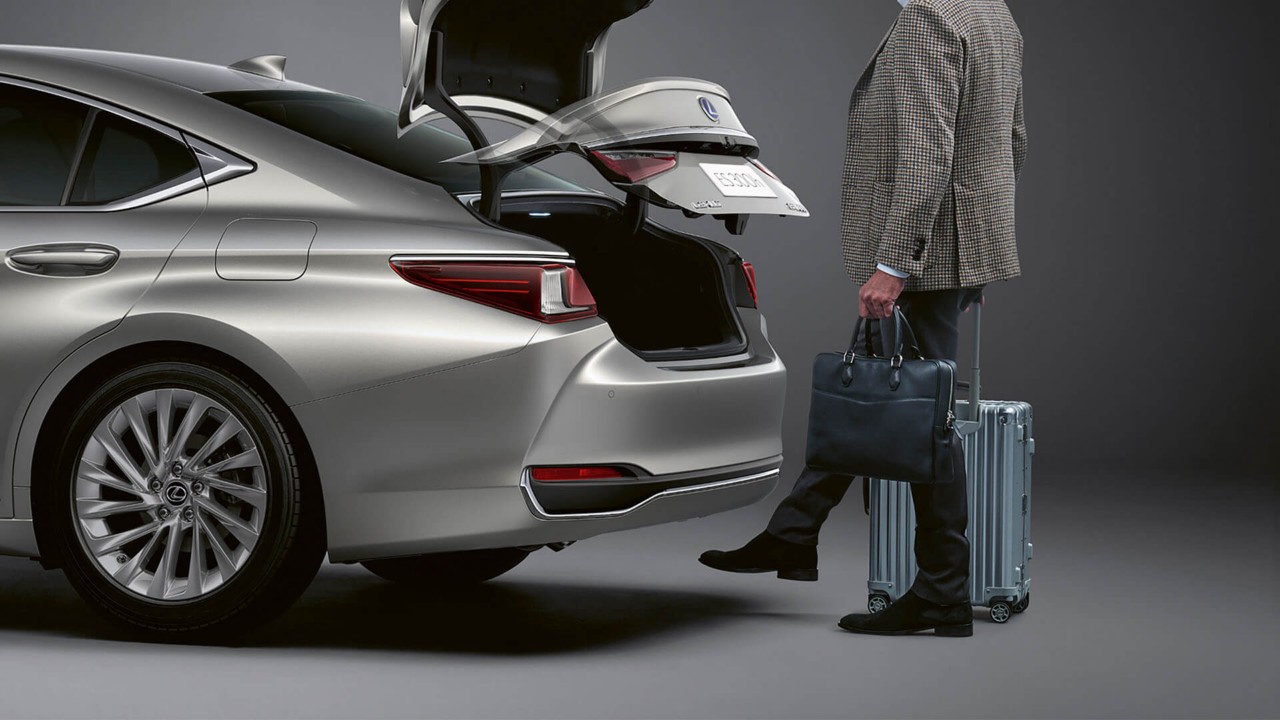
<point>904,338</point>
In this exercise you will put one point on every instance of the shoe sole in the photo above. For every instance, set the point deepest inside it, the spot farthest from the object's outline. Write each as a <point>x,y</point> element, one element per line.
<point>799,575</point>
<point>942,631</point>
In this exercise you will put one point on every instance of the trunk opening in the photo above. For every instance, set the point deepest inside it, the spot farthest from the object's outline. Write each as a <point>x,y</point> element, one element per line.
<point>666,295</point>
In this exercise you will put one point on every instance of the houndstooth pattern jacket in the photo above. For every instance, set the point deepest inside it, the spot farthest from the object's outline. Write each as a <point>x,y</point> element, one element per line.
<point>936,144</point>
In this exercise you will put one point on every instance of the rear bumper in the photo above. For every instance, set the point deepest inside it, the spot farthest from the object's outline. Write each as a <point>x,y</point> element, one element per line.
<point>437,463</point>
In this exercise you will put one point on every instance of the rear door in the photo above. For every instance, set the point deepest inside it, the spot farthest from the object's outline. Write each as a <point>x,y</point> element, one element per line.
<point>674,142</point>
<point>92,202</point>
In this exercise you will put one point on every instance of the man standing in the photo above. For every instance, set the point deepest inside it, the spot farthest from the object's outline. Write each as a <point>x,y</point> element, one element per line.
<point>936,143</point>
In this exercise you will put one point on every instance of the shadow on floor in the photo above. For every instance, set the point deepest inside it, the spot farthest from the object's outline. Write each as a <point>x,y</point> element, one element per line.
<point>347,610</point>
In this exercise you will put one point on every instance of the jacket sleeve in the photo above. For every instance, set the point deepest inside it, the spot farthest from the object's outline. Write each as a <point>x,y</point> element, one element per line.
<point>1019,136</point>
<point>927,70</point>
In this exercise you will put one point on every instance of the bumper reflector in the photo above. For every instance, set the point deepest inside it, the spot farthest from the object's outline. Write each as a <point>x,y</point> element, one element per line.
<point>570,474</point>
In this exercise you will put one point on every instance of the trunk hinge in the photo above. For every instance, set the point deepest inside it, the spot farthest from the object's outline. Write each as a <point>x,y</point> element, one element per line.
<point>491,176</point>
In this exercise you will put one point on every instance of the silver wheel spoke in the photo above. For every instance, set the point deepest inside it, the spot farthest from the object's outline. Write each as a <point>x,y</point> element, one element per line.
<point>226,564</point>
<point>164,423</point>
<point>93,508</point>
<point>163,580</point>
<point>132,569</point>
<point>253,496</point>
<point>246,459</point>
<point>111,543</point>
<point>242,532</point>
<point>196,569</point>
<point>195,414</point>
<point>229,429</point>
<point>116,451</point>
<point>98,475</point>
<point>133,413</point>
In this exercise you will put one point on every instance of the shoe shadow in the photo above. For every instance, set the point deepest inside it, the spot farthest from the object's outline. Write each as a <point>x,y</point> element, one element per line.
<point>349,610</point>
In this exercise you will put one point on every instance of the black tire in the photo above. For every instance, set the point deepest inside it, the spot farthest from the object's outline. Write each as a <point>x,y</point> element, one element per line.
<point>444,571</point>
<point>1022,605</point>
<point>274,572</point>
<point>877,603</point>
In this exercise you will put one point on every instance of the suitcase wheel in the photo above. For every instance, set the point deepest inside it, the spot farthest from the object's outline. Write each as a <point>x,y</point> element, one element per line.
<point>877,603</point>
<point>1001,611</point>
<point>1023,604</point>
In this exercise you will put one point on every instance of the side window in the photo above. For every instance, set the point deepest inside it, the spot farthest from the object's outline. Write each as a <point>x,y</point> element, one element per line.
<point>123,159</point>
<point>38,137</point>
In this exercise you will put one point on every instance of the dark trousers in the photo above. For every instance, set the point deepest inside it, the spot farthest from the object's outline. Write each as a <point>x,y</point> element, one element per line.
<point>942,512</point>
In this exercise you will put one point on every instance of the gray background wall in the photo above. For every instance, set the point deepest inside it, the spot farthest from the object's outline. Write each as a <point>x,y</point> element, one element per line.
<point>1140,330</point>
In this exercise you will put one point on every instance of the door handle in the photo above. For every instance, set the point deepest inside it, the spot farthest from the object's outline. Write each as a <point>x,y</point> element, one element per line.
<point>64,261</point>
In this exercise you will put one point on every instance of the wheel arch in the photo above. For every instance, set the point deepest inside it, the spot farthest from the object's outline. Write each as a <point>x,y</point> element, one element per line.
<point>47,430</point>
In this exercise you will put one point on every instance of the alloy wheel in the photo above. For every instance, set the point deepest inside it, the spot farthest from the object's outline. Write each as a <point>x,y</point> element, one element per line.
<point>170,495</point>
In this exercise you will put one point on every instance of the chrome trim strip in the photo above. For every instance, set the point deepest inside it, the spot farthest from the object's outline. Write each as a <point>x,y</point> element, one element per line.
<point>470,198</point>
<point>520,256</point>
<point>215,162</point>
<point>728,361</point>
<point>542,514</point>
<point>636,138</point>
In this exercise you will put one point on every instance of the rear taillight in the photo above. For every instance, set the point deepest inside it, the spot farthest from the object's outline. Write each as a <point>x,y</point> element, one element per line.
<point>632,167</point>
<point>585,472</point>
<point>750,271</point>
<point>548,293</point>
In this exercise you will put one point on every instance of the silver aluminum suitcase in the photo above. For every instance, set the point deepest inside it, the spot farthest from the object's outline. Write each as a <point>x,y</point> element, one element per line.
<point>998,447</point>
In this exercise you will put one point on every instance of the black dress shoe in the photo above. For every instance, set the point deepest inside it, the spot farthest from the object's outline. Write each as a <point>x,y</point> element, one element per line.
<point>766,553</point>
<point>913,614</point>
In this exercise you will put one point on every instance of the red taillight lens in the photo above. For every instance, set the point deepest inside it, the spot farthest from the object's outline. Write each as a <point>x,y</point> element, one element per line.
<point>548,293</point>
<point>632,167</point>
<point>750,271</point>
<point>569,474</point>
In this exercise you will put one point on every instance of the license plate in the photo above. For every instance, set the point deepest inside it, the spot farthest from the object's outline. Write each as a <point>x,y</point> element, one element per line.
<point>737,181</point>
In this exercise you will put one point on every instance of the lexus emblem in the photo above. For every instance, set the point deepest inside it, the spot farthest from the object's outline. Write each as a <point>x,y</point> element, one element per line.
<point>176,494</point>
<point>710,109</point>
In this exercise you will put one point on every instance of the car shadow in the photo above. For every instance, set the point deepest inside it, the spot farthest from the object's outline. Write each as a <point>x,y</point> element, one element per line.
<point>349,610</point>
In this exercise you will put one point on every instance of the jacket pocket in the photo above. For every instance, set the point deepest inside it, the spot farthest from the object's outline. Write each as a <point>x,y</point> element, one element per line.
<point>984,233</point>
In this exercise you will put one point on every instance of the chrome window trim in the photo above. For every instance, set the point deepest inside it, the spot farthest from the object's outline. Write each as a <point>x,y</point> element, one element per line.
<point>542,514</point>
<point>215,163</point>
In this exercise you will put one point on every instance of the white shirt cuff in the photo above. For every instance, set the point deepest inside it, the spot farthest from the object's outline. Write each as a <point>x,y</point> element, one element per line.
<point>896,273</point>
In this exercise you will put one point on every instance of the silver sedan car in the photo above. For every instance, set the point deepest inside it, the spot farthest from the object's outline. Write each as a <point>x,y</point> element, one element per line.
<point>246,322</point>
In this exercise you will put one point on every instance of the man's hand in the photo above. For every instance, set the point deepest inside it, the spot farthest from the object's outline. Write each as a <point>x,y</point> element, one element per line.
<point>878,296</point>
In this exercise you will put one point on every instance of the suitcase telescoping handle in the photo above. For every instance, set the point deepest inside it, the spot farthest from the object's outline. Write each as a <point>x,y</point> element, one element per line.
<point>973,419</point>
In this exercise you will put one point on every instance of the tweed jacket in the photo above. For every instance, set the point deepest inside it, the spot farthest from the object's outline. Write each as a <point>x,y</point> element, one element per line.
<point>936,143</point>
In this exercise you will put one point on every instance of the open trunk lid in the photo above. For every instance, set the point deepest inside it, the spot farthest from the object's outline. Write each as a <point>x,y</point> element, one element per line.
<point>672,142</point>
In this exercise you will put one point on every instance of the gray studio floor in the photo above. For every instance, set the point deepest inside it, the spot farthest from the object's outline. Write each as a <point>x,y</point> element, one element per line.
<point>1158,604</point>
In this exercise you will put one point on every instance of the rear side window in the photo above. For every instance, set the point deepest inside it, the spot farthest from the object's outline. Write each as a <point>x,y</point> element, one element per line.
<point>38,138</point>
<point>123,159</point>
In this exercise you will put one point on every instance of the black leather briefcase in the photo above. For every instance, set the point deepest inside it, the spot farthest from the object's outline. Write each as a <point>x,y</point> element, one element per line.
<point>884,417</point>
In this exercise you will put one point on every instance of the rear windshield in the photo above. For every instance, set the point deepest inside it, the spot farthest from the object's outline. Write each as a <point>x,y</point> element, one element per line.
<point>371,132</point>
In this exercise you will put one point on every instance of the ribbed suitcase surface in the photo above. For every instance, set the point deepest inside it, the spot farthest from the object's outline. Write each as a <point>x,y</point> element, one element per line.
<point>998,465</point>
